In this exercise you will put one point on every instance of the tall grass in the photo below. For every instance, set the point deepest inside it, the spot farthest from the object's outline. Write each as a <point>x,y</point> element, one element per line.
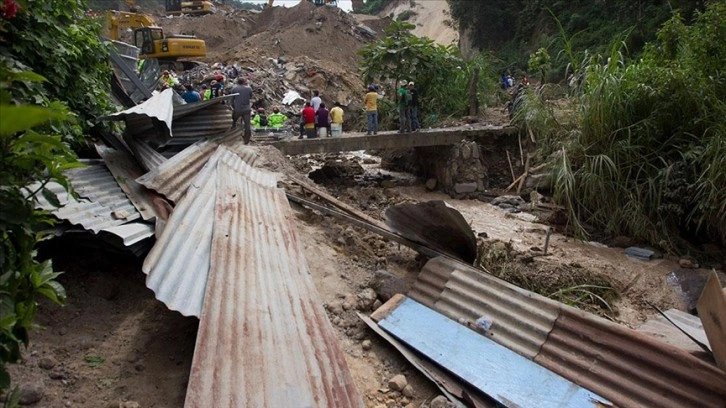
<point>645,153</point>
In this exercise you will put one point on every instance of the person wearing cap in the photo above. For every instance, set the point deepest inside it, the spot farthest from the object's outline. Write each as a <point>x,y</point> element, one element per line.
<point>404,98</point>
<point>277,119</point>
<point>260,120</point>
<point>206,93</point>
<point>413,106</point>
<point>371,104</point>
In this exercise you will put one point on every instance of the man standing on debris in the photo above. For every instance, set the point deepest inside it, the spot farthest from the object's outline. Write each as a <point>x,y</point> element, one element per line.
<point>241,107</point>
<point>371,102</point>
<point>190,95</point>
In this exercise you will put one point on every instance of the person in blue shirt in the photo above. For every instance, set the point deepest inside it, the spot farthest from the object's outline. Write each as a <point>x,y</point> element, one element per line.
<point>190,95</point>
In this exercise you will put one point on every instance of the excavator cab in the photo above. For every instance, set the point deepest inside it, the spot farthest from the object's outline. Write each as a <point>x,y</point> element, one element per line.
<point>145,39</point>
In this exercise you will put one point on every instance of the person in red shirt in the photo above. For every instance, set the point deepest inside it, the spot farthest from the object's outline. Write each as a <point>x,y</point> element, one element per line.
<point>308,116</point>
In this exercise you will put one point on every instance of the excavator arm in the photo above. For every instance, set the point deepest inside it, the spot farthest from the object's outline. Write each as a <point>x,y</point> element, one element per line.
<point>121,20</point>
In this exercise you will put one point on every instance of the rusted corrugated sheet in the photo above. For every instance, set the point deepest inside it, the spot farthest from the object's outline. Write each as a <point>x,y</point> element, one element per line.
<point>626,367</point>
<point>264,339</point>
<point>178,263</point>
<point>174,176</point>
<point>212,120</point>
<point>435,224</point>
<point>125,171</point>
<point>521,318</point>
<point>629,368</point>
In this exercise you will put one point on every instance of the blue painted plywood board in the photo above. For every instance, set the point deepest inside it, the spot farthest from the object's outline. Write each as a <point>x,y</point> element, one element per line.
<point>499,372</point>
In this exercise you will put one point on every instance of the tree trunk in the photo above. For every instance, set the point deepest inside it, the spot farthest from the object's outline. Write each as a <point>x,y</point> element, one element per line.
<point>473,100</point>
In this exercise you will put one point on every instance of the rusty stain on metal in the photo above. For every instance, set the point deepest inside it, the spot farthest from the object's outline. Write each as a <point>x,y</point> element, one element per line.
<point>626,367</point>
<point>264,339</point>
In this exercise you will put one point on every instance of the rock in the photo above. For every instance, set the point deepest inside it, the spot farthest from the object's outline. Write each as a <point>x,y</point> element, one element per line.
<point>377,304</point>
<point>31,393</point>
<point>462,188</point>
<point>512,200</point>
<point>398,382</point>
<point>386,284</point>
<point>688,262</point>
<point>441,402</point>
<point>431,184</point>
<point>366,345</point>
<point>46,363</point>
<point>407,391</point>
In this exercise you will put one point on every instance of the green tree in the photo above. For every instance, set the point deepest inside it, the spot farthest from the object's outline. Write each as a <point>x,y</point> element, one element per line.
<point>540,61</point>
<point>55,39</point>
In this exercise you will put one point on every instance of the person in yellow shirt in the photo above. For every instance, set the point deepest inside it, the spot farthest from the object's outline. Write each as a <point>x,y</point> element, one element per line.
<point>371,103</point>
<point>336,119</point>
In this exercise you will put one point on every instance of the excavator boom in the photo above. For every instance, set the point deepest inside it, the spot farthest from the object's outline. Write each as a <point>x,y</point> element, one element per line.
<point>193,7</point>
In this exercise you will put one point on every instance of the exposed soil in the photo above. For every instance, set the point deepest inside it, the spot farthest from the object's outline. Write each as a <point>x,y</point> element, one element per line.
<point>115,345</point>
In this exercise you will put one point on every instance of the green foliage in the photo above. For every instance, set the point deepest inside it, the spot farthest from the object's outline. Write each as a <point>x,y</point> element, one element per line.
<point>515,28</point>
<point>27,156</point>
<point>374,6</point>
<point>539,61</point>
<point>645,155</point>
<point>56,40</point>
<point>441,76</point>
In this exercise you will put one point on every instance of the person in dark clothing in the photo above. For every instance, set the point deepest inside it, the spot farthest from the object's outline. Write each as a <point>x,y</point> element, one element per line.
<point>241,107</point>
<point>413,106</point>
<point>190,95</point>
<point>322,119</point>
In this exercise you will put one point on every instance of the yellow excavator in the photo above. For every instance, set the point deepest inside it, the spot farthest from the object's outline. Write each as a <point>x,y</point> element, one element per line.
<point>192,7</point>
<point>150,38</point>
<point>316,2</point>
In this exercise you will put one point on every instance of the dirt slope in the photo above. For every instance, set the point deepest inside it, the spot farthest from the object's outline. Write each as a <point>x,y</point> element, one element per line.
<point>431,18</point>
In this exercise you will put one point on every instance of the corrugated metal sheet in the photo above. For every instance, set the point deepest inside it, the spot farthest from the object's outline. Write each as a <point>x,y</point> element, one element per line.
<point>629,368</point>
<point>157,109</point>
<point>264,339</point>
<point>521,318</point>
<point>626,367</point>
<point>147,156</point>
<point>212,120</point>
<point>178,264</point>
<point>102,207</point>
<point>125,171</point>
<point>173,177</point>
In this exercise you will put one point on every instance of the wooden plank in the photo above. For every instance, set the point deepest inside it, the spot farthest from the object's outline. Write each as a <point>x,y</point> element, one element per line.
<point>712,310</point>
<point>509,378</point>
<point>383,311</point>
<point>334,201</point>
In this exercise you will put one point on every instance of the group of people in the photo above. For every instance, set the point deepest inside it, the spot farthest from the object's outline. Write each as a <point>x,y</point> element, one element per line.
<point>317,121</point>
<point>408,107</point>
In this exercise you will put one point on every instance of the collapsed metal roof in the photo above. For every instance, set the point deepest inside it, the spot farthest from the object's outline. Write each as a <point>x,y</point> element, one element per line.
<point>173,177</point>
<point>230,255</point>
<point>620,364</point>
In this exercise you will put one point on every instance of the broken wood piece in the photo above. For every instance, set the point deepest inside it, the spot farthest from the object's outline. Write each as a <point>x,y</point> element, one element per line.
<point>480,361</point>
<point>525,174</point>
<point>511,169</point>
<point>532,170</point>
<point>712,310</point>
<point>334,201</point>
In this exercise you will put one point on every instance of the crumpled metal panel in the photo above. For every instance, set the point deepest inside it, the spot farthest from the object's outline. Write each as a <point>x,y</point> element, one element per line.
<point>102,207</point>
<point>148,157</point>
<point>158,109</point>
<point>628,368</point>
<point>178,264</point>
<point>521,319</point>
<point>174,176</point>
<point>435,224</point>
<point>264,339</point>
<point>214,119</point>
<point>660,328</point>
<point>125,171</point>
